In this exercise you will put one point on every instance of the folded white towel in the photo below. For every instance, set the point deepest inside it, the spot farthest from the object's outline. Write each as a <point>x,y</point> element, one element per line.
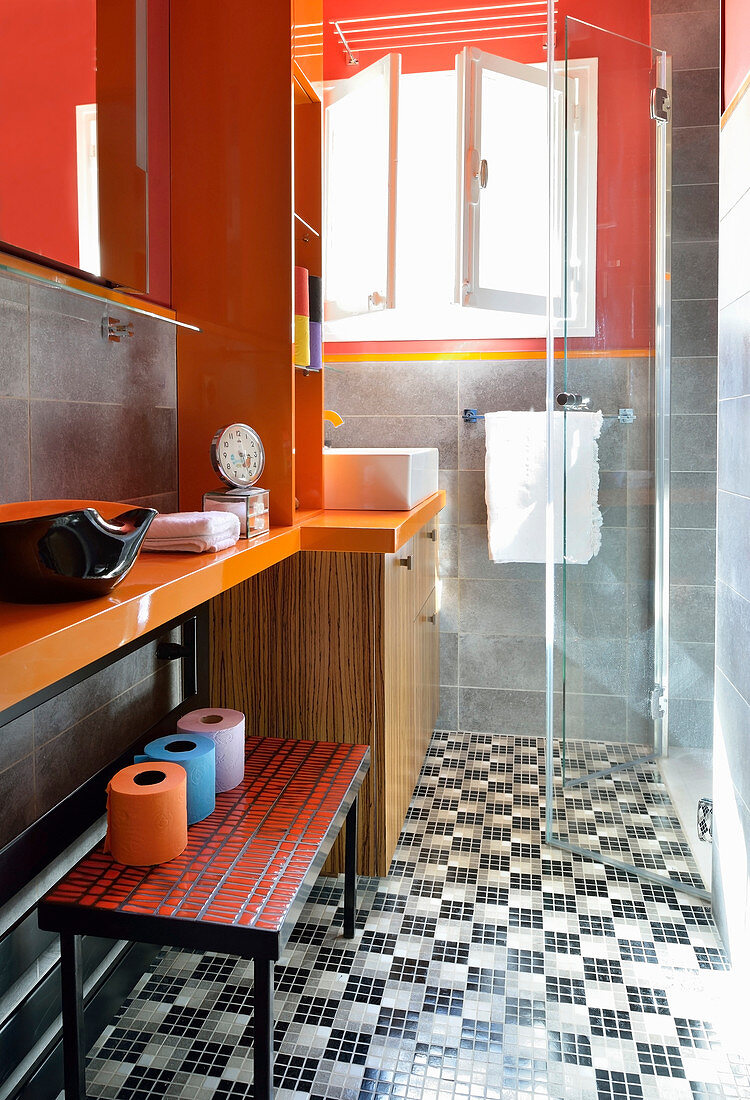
<point>196,532</point>
<point>516,486</point>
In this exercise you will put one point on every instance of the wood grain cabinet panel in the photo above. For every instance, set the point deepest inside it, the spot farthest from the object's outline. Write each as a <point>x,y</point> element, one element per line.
<point>328,646</point>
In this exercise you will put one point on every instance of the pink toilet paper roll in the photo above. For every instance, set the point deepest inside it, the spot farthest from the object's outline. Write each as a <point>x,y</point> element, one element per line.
<point>226,728</point>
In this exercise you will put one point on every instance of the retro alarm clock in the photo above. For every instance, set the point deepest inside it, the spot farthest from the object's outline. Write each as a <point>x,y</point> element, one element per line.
<point>238,457</point>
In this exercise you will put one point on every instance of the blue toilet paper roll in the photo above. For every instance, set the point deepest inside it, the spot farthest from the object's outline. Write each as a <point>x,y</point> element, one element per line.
<point>197,755</point>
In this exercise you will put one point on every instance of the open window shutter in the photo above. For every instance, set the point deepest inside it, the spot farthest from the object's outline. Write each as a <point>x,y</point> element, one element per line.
<point>361,128</point>
<point>501,184</point>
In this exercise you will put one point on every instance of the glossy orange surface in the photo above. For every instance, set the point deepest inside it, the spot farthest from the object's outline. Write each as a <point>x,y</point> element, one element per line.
<point>42,643</point>
<point>232,247</point>
<point>367,532</point>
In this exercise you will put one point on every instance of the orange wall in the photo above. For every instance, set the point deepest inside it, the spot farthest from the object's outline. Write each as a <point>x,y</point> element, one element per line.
<point>623,286</point>
<point>735,46</point>
<point>48,67</point>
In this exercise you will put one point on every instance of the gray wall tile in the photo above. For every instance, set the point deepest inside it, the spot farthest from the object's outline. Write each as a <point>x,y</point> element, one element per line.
<point>735,731</point>
<point>613,498</point>
<point>695,154</point>
<point>691,37</point>
<point>734,348</point>
<point>448,717</point>
<point>112,451</point>
<point>495,661</point>
<point>695,270</point>
<point>733,637</point>
<point>402,431</point>
<point>122,449</point>
<point>15,476</point>
<point>732,557</point>
<point>448,551</point>
<point>14,339</point>
<point>693,499</point>
<point>694,328</point>
<point>596,666</point>
<point>17,799</point>
<point>695,212</point>
<point>448,480</point>
<point>734,451</point>
<point>694,442</point>
<point>511,713</point>
<point>596,717</point>
<point>504,384</point>
<point>72,757</point>
<point>449,659</point>
<point>16,740</point>
<point>691,725</point>
<point>692,558</point>
<point>449,589</point>
<point>69,360</point>
<point>600,610</point>
<point>691,670</point>
<point>78,702</point>
<point>692,613</point>
<point>472,508</point>
<point>693,387</point>
<point>695,94</point>
<point>392,389</point>
<point>475,562</point>
<point>501,607</point>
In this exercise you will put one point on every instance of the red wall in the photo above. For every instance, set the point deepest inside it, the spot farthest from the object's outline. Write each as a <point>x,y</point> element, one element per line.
<point>48,67</point>
<point>735,46</point>
<point>624,308</point>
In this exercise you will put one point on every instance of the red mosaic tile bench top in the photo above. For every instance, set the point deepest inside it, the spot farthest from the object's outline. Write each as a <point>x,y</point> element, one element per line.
<point>245,863</point>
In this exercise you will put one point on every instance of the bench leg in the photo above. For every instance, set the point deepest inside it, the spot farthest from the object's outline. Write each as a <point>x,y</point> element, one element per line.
<point>350,873</point>
<point>263,1053</point>
<point>74,1053</point>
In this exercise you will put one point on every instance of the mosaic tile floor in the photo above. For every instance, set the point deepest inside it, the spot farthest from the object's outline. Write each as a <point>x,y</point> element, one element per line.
<point>487,965</point>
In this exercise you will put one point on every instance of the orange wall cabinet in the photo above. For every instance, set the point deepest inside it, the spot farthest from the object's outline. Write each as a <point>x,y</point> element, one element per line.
<point>233,243</point>
<point>308,390</point>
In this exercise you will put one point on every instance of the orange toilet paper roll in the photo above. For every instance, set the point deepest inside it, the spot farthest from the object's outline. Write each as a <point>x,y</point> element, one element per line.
<point>147,814</point>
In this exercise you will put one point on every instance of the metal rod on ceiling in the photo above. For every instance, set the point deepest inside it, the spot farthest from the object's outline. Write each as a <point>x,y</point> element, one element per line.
<point>480,34</point>
<point>351,59</point>
<point>445,11</point>
<point>455,41</point>
<point>450,23</point>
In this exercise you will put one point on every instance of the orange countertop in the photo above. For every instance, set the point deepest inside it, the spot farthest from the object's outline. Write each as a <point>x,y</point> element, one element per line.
<point>42,643</point>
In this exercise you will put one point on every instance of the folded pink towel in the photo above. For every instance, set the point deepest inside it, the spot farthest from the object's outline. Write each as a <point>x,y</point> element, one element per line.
<point>195,532</point>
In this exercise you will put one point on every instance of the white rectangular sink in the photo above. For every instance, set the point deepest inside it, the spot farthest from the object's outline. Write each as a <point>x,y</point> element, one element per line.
<point>379,478</point>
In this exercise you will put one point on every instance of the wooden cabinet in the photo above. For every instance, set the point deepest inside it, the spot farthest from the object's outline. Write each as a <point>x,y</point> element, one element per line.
<point>410,637</point>
<point>337,646</point>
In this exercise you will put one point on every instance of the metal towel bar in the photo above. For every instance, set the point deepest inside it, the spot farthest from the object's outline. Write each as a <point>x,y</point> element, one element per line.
<point>625,416</point>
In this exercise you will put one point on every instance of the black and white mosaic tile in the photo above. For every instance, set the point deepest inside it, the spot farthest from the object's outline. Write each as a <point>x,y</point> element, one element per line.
<point>487,964</point>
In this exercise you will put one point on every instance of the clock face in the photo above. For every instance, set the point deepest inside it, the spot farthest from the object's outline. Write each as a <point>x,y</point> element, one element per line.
<point>237,455</point>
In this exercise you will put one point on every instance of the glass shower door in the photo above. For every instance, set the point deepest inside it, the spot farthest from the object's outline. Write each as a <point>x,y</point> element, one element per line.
<point>609,425</point>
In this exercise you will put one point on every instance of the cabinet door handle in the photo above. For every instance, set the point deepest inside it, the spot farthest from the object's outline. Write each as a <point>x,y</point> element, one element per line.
<point>432,618</point>
<point>432,534</point>
<point>405,561</point>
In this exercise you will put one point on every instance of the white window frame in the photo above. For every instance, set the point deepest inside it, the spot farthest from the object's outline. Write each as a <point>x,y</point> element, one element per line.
<point>382,296</point>
<point>470,64</point>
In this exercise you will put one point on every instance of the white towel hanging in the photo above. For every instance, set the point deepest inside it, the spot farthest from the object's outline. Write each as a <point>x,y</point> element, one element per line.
<point>516,486</point>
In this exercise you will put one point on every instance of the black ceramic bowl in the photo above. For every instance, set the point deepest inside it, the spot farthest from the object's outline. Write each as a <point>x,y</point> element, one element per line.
<point>70,555</point>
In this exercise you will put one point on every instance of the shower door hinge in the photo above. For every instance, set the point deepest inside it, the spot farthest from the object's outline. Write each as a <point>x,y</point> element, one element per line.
<point>660,104</point>
<point>657,702</point>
